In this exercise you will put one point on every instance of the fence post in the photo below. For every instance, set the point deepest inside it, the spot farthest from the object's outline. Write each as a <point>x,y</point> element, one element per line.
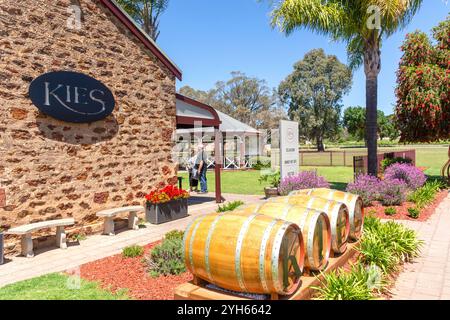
<point>345,159</point>
<point>331,158</point>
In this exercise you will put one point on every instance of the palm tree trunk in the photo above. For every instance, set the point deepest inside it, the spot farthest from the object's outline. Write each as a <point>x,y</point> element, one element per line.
<point>372,67</point>
<point>371,124</point>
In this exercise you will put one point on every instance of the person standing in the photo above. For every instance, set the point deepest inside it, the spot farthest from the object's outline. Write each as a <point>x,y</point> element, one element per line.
<point>202,168</point>
<point>193,172</point>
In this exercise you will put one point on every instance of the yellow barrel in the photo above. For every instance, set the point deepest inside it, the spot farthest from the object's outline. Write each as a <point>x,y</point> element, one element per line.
<point>315,226</point>
<point>254,253</point>
<point>337,213</point>
<point>352,201</point>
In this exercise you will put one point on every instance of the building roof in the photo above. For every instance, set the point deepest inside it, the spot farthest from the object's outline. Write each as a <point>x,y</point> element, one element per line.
<point>190,111</point>
<point>136,30</point>
<point>230,124</point>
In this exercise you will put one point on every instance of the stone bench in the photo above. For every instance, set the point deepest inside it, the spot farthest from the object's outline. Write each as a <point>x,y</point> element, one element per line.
<point>26,230</point>
<point>110,214</point>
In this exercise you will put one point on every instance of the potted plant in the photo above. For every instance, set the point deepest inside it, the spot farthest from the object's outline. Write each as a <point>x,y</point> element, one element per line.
<point>273,178</point>
<point>167,204</point>
<point>1,246</point>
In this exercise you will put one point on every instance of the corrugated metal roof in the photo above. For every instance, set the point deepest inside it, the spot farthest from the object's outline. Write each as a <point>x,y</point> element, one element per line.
<point>229,124</point>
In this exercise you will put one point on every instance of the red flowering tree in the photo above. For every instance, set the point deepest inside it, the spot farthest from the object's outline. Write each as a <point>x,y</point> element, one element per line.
<point>423,95</point>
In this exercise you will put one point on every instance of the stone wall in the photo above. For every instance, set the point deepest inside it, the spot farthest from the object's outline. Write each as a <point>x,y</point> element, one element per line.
<point>51,169</point>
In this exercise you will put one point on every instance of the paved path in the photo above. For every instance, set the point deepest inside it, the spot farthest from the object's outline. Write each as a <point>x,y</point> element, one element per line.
<point>99,246</point>
<point>428,278</point>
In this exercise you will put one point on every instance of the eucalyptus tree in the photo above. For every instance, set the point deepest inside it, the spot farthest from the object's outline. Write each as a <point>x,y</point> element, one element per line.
<point>147,13</point>
<point>362,25</point>
<point>313,93</point>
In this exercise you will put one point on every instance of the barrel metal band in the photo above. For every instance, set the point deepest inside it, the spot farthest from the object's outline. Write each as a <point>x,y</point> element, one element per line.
<point>208,244</point>
<point>191,242</point>
<point>186,232</point>
<point>311,229</point>
<point>310,202</point>
<point>237,257</point>
<point>262,254</point>
<point>276,256</point>
<point>285,212</point>
<point>257,208</point>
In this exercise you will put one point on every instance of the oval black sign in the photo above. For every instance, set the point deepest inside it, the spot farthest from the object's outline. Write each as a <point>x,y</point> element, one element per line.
<point>71,97</point>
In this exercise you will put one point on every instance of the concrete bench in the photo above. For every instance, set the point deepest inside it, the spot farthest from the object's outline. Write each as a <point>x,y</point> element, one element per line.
<point>26,230</point>
<point>110,214</point>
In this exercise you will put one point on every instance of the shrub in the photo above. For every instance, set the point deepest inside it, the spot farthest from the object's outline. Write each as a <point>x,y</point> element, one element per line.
<point>392,192</point>
<point>425,195</point>
<point>387,244</point>
<point>374,251</point>
<point>167,257</point>
<point>133,251</point>
<point>259,165</point>
<point>176,235</point>
<point>272,177</point>
<point>391,211</point>
<point>340,285</point>
<point>304,180</point>
<point>400,240</point>
<point>412,176</point>
<point>387,162</point>
<point>367,187</point>
<point>230,206</point>
<point>414,213</point>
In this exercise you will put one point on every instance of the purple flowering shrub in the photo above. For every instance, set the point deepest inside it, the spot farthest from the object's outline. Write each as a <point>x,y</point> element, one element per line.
<point>393,192</point>
<point>412,176</point>
<point>367,187</point>
<point>304,180</point>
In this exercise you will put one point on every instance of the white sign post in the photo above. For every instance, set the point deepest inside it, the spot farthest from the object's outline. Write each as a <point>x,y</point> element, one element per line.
<point>289,151</point>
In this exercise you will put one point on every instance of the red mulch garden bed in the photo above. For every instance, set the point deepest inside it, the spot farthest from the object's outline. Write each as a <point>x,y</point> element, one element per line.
<point>116,272</point>
<point>402,211</point>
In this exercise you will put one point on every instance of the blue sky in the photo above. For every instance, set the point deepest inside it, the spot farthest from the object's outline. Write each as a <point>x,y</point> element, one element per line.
<point>208,39</point>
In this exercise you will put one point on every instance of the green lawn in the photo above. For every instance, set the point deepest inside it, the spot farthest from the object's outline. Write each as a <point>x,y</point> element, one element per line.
<point>56,286</point>
<point>433,157</point>
<point>246,182</point>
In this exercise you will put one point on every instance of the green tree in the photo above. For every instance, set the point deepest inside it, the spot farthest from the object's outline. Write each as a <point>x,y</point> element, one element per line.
<point>313,93</point>
<point>355,121</point>
<point>362,24</point>
<point>146,13</point>
<point>244,98</point>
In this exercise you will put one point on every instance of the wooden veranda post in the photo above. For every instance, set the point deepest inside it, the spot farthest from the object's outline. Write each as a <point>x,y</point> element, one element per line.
<point>218,157</point>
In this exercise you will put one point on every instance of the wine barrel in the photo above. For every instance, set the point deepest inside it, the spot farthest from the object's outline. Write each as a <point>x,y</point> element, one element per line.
<point>353,202</point>
<point>315,226</point>
<point>253,254</point>
<point>337,213</point>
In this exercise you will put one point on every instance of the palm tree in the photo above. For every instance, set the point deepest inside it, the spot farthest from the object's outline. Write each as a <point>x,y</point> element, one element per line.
<point>362,24</point>
<point>146,13</point>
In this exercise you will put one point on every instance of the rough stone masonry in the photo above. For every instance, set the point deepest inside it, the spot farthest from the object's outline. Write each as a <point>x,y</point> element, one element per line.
<point>50,169</point>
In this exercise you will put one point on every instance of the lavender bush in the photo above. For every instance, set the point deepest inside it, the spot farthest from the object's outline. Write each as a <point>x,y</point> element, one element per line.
<point>304,180</point>
<point>393,192</point>
<point>412,176</point>
<point>367,187</point>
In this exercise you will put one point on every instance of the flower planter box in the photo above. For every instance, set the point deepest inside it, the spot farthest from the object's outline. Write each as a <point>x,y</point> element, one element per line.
<point>271,192</point>
<point>166,212</point>
<point>1,248</point>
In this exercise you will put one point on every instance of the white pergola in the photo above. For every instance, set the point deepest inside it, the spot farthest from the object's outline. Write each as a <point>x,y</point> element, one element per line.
<point>239,144</point>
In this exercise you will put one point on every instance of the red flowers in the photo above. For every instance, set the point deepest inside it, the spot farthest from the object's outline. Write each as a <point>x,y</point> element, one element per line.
<point>166,194</point>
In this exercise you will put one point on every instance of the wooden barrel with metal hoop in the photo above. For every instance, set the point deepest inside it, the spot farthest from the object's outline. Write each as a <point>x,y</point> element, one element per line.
<point>337,213</point>
<point>315,226</point>
<point>352,201</point>
<point>245,253</point>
